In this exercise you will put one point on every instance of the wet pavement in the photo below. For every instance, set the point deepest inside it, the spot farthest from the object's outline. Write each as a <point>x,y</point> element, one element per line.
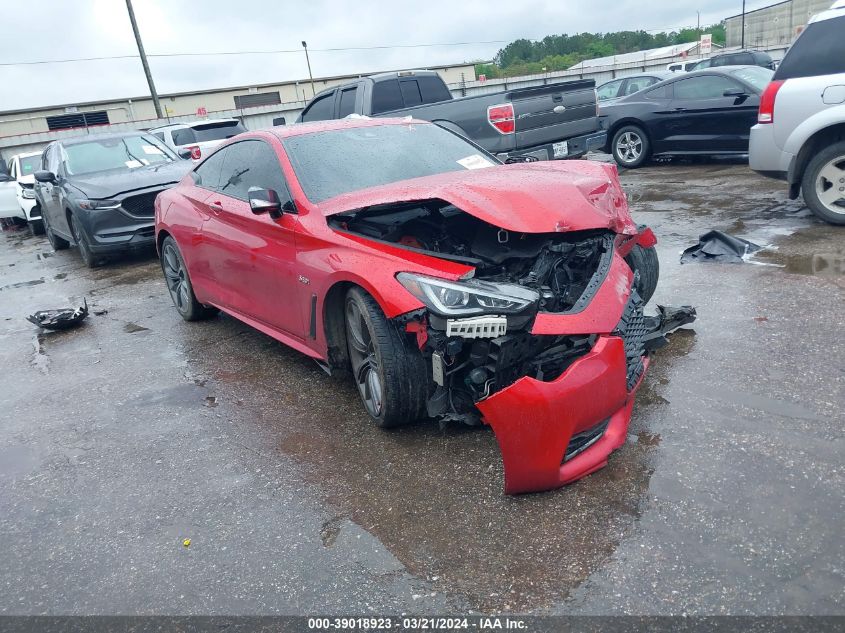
<point>136,431</point>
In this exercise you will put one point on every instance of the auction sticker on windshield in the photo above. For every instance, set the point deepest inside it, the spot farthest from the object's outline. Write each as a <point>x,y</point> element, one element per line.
<point>474,161</point>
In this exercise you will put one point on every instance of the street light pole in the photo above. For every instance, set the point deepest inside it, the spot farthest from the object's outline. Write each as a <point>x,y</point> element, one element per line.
<point>308,61</point>
<point>144,63</point>
<point>743,25</point>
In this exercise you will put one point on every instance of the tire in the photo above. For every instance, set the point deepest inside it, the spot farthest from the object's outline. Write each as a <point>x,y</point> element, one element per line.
<point>389,371</point>
<point>645,261</point>
<point>823,184</point>
<point>630,146</point>
<point>91,260</point>
<point>58,243</point>
<point>179,284</point>
<point>36,227</point>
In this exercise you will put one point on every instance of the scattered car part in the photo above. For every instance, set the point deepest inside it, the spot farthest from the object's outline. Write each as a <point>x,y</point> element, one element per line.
<point>61,319</point>
<point>719,246</point>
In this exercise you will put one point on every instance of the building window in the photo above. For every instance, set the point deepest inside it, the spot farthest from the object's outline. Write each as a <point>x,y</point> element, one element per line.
<point>255,100</point>
<point>77,119</point>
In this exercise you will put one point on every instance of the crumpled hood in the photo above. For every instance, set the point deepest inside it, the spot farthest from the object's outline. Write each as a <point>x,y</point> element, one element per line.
<point>108,184</point>
<point>542,197</point>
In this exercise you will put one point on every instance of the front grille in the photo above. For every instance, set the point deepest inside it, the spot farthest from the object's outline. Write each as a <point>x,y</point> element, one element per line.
<point>585,439</point>
<point>632,328</point>
<point>141,206</point>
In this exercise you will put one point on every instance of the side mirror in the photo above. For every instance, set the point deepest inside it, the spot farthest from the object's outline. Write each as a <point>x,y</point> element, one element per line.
<point>42,175</point>
<point>264,201</point>
<point>735,92</point>
<point>184,153</point>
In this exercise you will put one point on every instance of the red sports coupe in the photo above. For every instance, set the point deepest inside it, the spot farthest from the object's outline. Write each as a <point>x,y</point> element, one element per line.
<point>451,285</point>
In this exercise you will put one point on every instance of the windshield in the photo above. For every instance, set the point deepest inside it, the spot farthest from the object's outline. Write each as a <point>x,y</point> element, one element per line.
<point>30,164</point>
<point>122,152</point>
<point>328,164</point>
<point>757,76</point>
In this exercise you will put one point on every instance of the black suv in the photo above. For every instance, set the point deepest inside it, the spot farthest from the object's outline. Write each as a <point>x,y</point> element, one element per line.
<point>98,191</point>
<point>737,58</point>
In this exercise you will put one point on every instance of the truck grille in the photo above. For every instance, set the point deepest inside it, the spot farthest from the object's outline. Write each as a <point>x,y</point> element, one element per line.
<point>141,206</point>
<point>632,328</point>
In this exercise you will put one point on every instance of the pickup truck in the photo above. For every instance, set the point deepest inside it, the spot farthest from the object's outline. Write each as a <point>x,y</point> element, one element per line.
<point>544,122</point>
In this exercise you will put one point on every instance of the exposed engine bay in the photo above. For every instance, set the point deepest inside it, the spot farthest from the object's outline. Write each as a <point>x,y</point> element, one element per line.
<point>478,348</point>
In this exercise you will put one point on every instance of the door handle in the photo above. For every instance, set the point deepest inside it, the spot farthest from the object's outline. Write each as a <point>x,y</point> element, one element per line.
<point>215,206</point>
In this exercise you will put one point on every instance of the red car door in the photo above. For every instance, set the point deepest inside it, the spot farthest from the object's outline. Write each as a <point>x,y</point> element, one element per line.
<point>251,258</point>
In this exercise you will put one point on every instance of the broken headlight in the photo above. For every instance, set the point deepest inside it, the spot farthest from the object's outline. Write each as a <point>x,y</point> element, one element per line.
<point>467,298</point>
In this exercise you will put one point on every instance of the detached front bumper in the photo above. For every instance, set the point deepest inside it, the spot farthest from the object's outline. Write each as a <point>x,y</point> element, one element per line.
<point>534,421</point>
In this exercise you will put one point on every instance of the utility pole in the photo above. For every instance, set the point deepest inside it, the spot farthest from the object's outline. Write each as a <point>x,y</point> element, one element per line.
<point>308,61</point>
<point>743,25</point>
<point>143,55</point>
<point>698,21</point>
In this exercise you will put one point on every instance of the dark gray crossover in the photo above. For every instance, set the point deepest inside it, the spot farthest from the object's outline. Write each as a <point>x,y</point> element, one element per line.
<point>98,191</point>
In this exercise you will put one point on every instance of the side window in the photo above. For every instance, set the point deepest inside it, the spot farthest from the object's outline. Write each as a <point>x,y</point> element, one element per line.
<point>347,102</point>
<point>386,96</point>
<point>432,89</point>
<point>185,136</point>
<point>321,109</point>
<point>706,87</point>
<point>159,136</point>
<point>610,90</point>
<point>251,164</point>
<point>662,92</point>
<point>743,59</point>
<point>819,50</point>
<point>207,173</point>
<point>13,172</point>
<point>410,92</point>
<point>635,85</point>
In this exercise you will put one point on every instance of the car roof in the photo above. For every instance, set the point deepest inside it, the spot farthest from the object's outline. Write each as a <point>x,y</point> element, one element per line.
<point>27,154</point>
<point>76,140</point>
<point>300,129</point>
<point>836,10</point>
<point>185,124</point>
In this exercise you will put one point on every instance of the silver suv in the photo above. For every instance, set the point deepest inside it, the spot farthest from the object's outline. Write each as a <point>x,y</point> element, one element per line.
<point>800,131</point>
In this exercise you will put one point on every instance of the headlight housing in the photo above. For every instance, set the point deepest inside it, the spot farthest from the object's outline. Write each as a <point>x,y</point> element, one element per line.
<point>467,298</point>
<point>98,204</point>
<point>29,194</point>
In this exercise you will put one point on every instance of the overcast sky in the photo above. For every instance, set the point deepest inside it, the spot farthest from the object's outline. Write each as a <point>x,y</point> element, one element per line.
<point>63,29</point>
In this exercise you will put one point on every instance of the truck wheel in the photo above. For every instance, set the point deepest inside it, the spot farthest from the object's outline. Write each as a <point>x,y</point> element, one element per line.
<point>58,243</point>
<point>824,184</point>
<point>630,146</point>
<point>645,261</point>
<point>179,284</point>
<point>388,370</point>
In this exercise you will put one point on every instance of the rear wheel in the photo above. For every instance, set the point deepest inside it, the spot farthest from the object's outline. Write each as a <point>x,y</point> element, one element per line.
<point>824,184</point>
<point>179,284</point>
<point>645,262</point>
<point>630,146</point>
<point>91,260</point>
<point>388,370</point>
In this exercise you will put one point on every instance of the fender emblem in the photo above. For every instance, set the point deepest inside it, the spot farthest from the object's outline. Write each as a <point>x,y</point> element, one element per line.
<point>304,279</point>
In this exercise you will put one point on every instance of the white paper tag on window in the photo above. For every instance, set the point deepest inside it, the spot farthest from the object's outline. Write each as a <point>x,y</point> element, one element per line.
<point>151,149</point>
<point>475,161</point>
<point>132,164</point>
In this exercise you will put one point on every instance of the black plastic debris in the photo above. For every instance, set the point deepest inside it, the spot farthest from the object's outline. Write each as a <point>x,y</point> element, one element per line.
<point>719,247</point>
<point>666,320</point>
<point>61,319</point>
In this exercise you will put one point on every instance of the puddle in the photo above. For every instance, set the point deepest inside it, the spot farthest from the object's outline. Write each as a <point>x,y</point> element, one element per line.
<point>824,264</point>
<point>23,284</point>
<point>39,359</point>
<point>60,276</point>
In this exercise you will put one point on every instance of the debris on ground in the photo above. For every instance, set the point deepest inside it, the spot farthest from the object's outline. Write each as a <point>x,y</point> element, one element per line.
<point>667,320</point>
<point>721,247</point>
<point>61,319</point>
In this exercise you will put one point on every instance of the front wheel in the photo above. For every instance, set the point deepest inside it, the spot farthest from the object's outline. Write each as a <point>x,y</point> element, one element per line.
<point>91,260</point>
<point>824,184</point>
<point>388,370</point>
<point>645,261</point>
<point>36,226</point>
<point>630,146</point>
<point>179,284</point>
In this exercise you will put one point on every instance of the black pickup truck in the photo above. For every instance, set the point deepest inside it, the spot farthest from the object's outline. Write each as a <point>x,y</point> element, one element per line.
<point>553,121</point>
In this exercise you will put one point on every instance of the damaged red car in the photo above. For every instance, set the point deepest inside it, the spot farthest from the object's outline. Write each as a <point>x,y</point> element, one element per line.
<point>450,285</point>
